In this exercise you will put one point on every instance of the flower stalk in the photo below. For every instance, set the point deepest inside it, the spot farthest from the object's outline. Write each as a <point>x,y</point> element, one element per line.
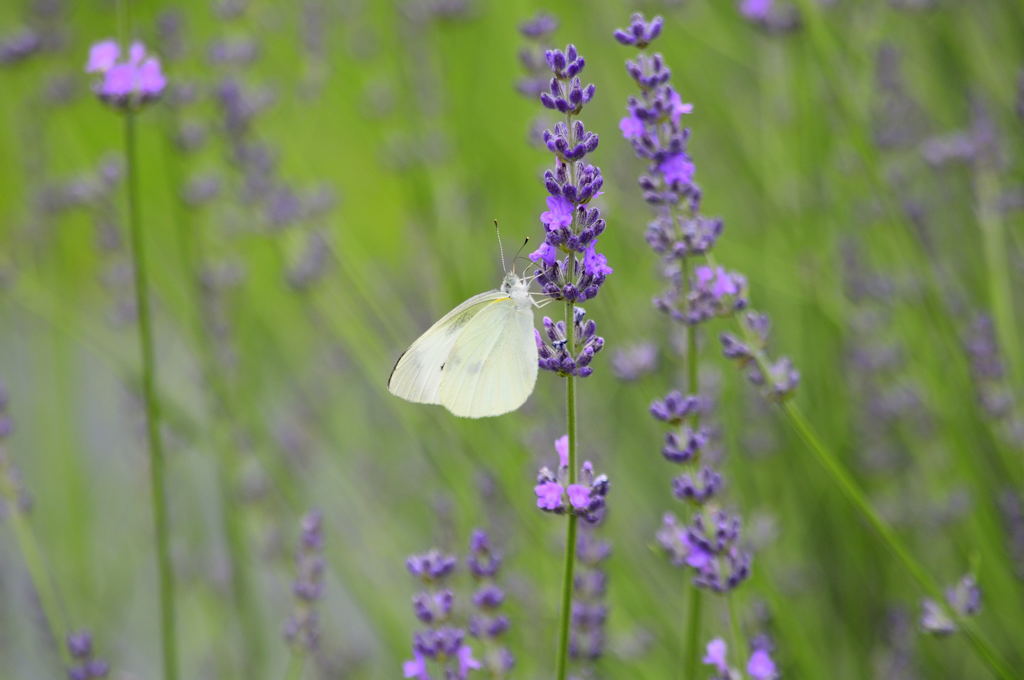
<point>157,462</point>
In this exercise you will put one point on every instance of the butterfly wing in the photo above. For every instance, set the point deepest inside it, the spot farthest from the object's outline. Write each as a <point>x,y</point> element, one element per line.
<point>417,373</point>
<point>492,367</point>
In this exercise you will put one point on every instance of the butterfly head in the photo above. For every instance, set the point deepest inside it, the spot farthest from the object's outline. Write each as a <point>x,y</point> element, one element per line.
<point>518,288</point>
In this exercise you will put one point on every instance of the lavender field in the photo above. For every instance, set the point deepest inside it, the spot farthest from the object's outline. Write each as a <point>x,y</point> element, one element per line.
<point>737,397</point>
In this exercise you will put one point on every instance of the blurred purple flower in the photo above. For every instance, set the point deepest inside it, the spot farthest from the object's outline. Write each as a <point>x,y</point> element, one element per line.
<point>677,169</point>
<point>595,263</point>
<point>102,56</point>
<point>716,651</point>
<point>631,127</point>
<point>963,598</point>
<point>549,495</point>
<point>585,498</point>
<point>302,628</point>
<point>639,32</point>
<point>579,496</point>
<point>416,668</point>
<point>718,281</point>
<point>466,661</point>
<point>679,107</point>
<point>558,214</point>
<point>756,9</point>
<point>127,83</point>
<point>86,667</point>
<point>761,666</point>
<point>562,449</point>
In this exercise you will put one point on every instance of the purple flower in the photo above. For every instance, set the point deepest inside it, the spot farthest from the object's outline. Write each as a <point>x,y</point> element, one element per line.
<point>716,651</point>
<point>639,32</point>
<point>416,667</point>
<point>102,56</point>
<point>432,565</point>
<point>558,214</point>
<point>756,9</point>
<point>562,449</point>
<point>594,263</point>
<point>579,495</point>
<point>466,661</point>
<point>721,282</point>
<point>631,127</point>
<point>79,645</point>
<point>128,83</point>
<point>679,107</point>
<point>677,169</point>
<point>568,266</point>
<point>761,666</point>
<point>302,628</point>
<point>555,355</point>
<point>584,498</point>
<point>964,598</point>
<point>487,623</point>
<point>546,253</point>
<point>549,495</point>
<point>539,26</point>
<point>440,643</point>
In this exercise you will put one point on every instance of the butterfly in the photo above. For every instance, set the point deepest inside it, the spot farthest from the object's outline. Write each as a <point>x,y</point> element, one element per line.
<point>478,360</point>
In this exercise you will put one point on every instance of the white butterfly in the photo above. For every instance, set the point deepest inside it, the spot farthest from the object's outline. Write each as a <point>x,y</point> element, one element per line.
<point>479,360</point>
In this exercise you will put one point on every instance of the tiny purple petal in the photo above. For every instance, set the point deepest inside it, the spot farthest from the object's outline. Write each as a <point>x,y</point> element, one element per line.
<point>579,496</point>
<point>594,263</point>
<point>558,214</point>
<point>466,661</point>
<point>677,168</point>
<point>151,77</point>
<point>631,127</point>
<point>416,668</point>
<point>716,651</point>
<point>562,448</point>
<point>136,53</point>
<point>756,9</point>
<point>679,107</point>
<point>118,81</point>
<point>761,666</point>
<point>549,495</point>
<point>102,56</point>
<point>547,253</point>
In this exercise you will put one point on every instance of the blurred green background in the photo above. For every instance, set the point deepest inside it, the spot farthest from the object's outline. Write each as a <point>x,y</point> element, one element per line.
<point>866,164</point>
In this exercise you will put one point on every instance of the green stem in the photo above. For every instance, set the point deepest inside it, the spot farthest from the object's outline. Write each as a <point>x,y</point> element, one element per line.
<point>295,664</point>
<point>739,641</point>
<point>852,491</point>
<point>570,533</point>
<point>693,621</point>
<point>999,285</point>
<point>165,572</point>
<point>42,582</point>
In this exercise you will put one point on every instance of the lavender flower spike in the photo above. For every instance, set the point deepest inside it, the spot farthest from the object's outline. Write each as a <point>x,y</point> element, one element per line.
<point>569,267</point>
<point>302,629</point>
<point>640,33</point>
<point>441,644</point>
<point>488,625</point>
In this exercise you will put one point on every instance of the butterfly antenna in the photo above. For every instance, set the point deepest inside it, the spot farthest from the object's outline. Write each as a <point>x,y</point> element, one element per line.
<point>520,251</point>
<point>501,251</point>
